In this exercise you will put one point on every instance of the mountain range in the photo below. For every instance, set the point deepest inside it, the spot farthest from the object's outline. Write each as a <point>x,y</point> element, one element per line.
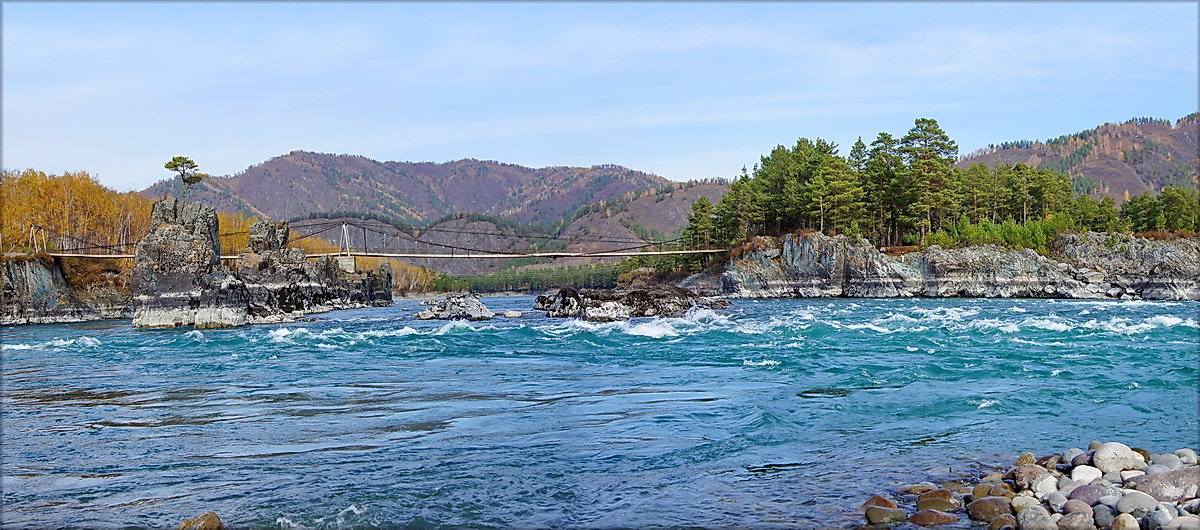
<point>1115,160</point>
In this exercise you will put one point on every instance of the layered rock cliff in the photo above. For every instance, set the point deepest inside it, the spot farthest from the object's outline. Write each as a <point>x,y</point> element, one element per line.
<point>1083,266</point>
<point>178,278</point>
<point>35,291</point>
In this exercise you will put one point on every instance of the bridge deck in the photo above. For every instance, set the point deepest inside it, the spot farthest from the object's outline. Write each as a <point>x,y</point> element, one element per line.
<point>463,255</point>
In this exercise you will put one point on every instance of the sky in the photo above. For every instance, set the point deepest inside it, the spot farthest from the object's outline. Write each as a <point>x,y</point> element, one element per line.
<point>680,89</point>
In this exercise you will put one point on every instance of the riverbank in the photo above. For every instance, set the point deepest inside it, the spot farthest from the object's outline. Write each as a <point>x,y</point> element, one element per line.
<point>1110,485</point>
<point>1080,266</point>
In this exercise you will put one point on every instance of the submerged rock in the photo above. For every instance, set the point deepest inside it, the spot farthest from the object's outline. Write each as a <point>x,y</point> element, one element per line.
<point>207,521</point>
<point>622,304</point>
<point>460,307</point>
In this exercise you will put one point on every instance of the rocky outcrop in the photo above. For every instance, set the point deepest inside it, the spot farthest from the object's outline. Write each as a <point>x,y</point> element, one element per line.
<point>460,307</point>
<point>1133,267</point>
<point>622,304</point>
<point>1084,266</point>
<point>35,291</point>
<point>178,278</point>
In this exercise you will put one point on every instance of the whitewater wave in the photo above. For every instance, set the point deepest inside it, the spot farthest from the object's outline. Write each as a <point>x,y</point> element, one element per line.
<point>82,342</point>
<point>764,362</point>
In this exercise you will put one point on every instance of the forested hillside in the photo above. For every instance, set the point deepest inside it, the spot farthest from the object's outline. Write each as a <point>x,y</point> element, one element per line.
<point>301,183</point>
<point>1112,160</point>
<point>907,191</point>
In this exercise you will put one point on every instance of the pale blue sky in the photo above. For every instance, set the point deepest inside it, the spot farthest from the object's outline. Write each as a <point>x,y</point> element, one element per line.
<point>684,90</point>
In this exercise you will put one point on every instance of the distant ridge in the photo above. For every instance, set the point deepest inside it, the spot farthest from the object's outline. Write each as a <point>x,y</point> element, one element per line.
<point>301,183</point>
<point>1111,160</point>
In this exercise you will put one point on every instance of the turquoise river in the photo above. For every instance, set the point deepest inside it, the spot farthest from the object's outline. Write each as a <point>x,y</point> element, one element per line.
<point>772,413</point>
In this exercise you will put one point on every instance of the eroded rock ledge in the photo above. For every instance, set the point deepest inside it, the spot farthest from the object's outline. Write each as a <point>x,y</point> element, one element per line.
<point>178,278</point>
<point>1089,265</point>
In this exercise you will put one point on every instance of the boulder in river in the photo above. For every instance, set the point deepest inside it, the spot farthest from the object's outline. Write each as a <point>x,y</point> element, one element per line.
<point>661,300</point>
<point>459,307</point>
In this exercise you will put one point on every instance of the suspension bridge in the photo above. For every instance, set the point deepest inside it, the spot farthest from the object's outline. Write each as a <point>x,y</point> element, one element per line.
<point>383,240</point>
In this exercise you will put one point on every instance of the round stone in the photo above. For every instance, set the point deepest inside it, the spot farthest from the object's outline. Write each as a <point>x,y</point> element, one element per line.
<point>1083,459</point>
<point>1125,522</point>
<point>1086,474</point>
<point>879,514</point>
<point>1116,456</point>
<point>1159,517</point>
<point>1076,521</point>
<point>1136,503</point>
<point>1070,454</point>
<point>981,490</point>
<point>1155,469</point>
<point>1103,515</point>
<point>988,508</point>
<point>1023,476</point>
<point>1076,505</point>
<point>878,500</point>
<point>1186,522</point>
<point>1172,461</point>
<point>1088,494</point>
<point>1187,456</point>
<point>1020,502</point>
<point>1056,501</point>
<point>1044,486</point>
<point>1006,521</point>
<point>937,503</point>
<point>918,488</point>
<point>932,518</point>
<point>1035,518</point>
<point>1026,458</point>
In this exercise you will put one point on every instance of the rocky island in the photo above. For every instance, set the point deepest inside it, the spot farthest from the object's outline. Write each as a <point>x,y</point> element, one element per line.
<point>178,278</point>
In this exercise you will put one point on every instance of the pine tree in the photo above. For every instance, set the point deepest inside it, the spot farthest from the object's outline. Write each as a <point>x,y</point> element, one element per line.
<point>929,154</point>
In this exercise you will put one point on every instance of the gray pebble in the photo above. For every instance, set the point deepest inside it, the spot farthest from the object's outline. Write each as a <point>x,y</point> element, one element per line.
<point>1159,517</point>
<point>1071,453</point>
<point>1136,503</point>
<point>1110,500</point>
<point>1171,461</point>
<point>1056,501</point>
<point>1064,481</point>
<point>1187,456</point>
<point>1103,515</point>
<point>1076,521</point>
<point>1156,469</point>
<point>1192,507</point>
<point>1083,459</point>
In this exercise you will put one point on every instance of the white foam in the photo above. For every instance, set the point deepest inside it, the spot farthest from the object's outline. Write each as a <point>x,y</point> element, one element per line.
<point>1018,309</point>
<point>871,327</point>
<point>912,348</point>
<point>765,362</point>
<point>196,335</point>
<point>1047,324</point>
<point>983,404</point>
<point>83,342</point>
<point>654,329</point>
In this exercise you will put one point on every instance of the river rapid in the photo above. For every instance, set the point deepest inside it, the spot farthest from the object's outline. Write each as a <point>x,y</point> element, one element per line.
<point>773,413</point>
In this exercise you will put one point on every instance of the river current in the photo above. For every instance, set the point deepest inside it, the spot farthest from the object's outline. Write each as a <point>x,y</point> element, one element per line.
<point>773,413</point>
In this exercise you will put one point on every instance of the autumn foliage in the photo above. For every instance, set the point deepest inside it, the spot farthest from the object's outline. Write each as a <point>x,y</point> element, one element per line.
<point>77,213</point>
